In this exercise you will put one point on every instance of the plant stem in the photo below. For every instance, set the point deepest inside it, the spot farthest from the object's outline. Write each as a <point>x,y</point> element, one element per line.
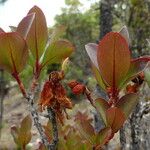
<point>52,118</point>
<point>35,117</point>
<point>30,98</point>
<point>20,84</point>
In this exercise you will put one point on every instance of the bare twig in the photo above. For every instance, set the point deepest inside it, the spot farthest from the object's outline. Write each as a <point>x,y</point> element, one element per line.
<point>52,118</point>
<point>51,114</point>
<point>35,116</point>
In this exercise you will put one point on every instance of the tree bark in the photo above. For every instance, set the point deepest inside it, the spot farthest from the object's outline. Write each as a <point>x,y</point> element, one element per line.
<point>123,138</point>
<point>106,17</point>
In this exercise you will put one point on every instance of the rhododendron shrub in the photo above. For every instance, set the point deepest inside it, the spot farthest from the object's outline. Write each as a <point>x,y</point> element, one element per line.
<point>30,44</point>
<point>113,68</point>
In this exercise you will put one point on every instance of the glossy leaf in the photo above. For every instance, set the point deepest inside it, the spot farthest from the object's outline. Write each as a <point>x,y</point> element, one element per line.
<point>98,77</point>
<point>57,51</point>
<point>136,67</point>
<point>85,123</point>
<point>13,52</point>
<point>113,58</point>
<point>92,49</point>
<point>124,32</point>
<point>127,103</point>
<point>103,136</point>
<point>26,124</point>
<point>115,118</point>
<point>102,106</point>
<point>25,25</point>
<point>24,136</point>
<point>38,34</point>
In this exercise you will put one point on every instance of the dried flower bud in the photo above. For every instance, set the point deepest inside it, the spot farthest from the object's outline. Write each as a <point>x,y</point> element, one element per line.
<point>78,89</point>
<point>131,88</point>
<point>73,83</point>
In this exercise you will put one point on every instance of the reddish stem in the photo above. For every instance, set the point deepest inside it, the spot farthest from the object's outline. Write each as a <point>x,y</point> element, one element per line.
<point>38,69</point>
<point>145,59</point>
<point>21,86</point>
<point>34,84</point>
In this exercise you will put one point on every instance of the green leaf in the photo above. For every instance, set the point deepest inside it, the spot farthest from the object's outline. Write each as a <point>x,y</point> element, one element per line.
<point>127,103</point>
<point>102,106</point>
<point>38,34</point>
<point>24,138</point>
<point>136,66</point>
<point>113,58</point>
<point>98,77</point>
<point>57,51</point>
<point>25,25</point>
<point>26,124</point>
<point>25,131</point>
<point>103,136</point>
<point>115,118</point>
<point>13,52</point>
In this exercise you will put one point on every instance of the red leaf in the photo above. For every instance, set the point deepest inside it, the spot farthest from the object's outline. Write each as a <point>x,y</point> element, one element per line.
<point>84,123</point>
<point>13,52</point>
<point>103,136</point>
<point>115,118</point>
<point>113,58</point>
<point>102,105</point>
<point>38,34</point>
<point>25,25</point>
<point>127,103</point>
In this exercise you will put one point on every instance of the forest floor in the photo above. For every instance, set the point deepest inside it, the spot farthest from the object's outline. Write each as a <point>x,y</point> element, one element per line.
<point>16,108</point>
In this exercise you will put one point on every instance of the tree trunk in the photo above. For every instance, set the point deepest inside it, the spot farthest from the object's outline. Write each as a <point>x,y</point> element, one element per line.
<point>106,17</point>
<point>105,23</point>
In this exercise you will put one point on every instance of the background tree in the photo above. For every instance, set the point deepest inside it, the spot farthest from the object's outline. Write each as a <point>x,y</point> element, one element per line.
<point>2,1</point>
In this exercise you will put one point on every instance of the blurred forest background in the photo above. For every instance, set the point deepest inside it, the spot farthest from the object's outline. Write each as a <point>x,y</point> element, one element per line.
<point>82,28</point>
